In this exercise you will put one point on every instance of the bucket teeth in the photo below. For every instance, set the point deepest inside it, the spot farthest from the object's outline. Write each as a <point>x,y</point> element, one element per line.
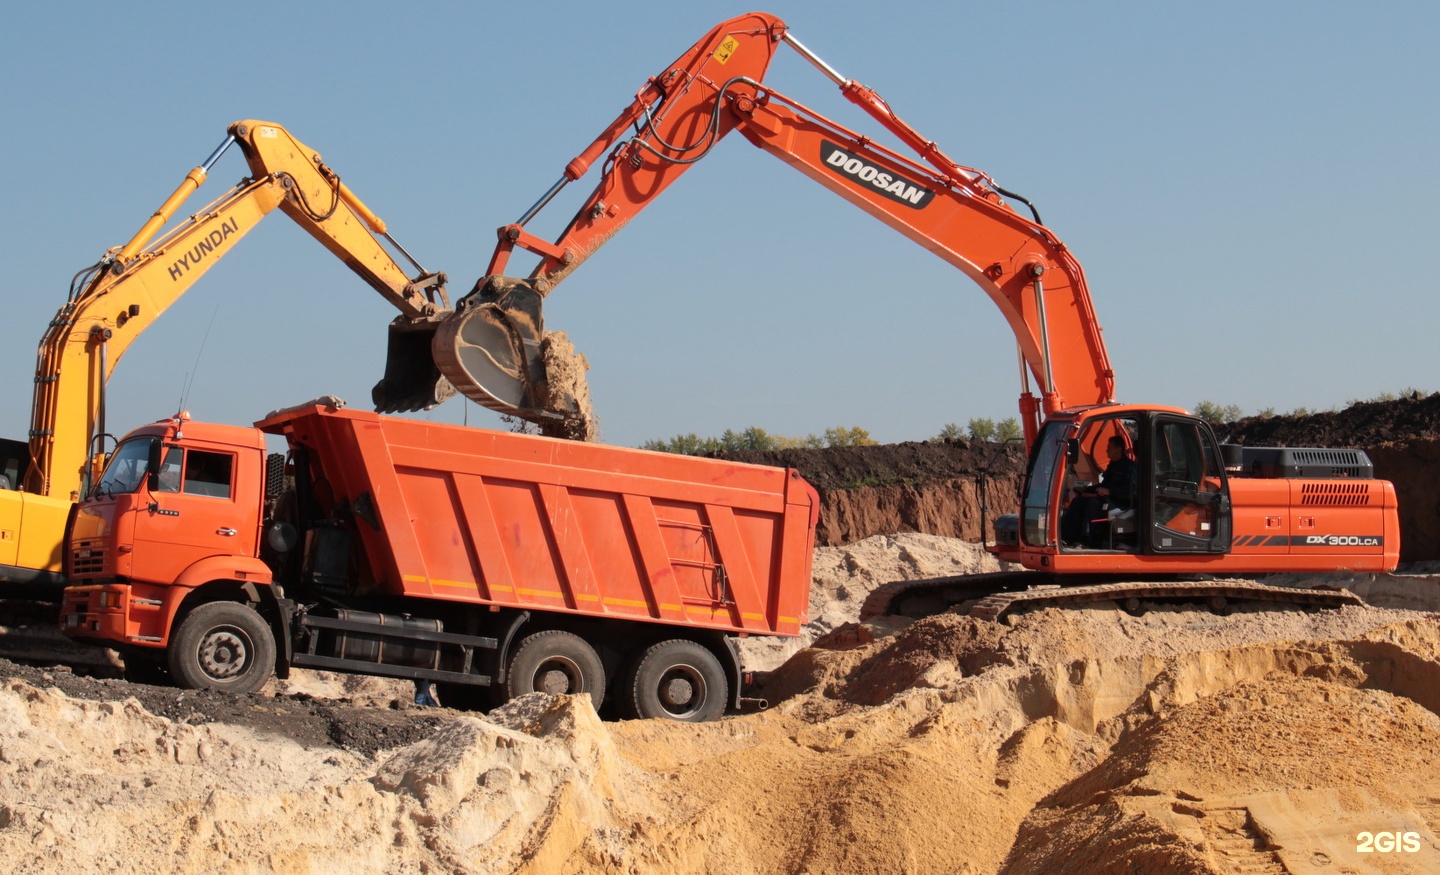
<point>412,381</point>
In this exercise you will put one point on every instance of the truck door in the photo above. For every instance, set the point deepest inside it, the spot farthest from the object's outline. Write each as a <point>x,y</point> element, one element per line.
<point>193,513</point>
<point>1189,496</point>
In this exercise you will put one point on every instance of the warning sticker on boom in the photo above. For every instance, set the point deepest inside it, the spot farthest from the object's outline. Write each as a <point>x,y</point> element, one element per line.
<point>727,48</point>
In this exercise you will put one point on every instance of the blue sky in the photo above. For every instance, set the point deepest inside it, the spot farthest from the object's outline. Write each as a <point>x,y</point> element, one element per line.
<point>1251,188</point>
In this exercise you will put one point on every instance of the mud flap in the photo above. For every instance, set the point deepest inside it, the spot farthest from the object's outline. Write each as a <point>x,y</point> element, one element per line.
<point>412,379</point>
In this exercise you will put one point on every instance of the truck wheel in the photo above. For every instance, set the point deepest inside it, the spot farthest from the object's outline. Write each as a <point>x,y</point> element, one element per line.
<point>677,680</point>
<point>223,646</point>
<point>556,662</point>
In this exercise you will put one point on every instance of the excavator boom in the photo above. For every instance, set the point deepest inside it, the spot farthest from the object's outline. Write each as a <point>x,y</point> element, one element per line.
<point>492,350</point>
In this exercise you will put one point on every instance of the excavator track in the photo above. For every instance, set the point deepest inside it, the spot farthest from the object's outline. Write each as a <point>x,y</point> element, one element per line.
<point>1217,595</point>
<point>997,596</point>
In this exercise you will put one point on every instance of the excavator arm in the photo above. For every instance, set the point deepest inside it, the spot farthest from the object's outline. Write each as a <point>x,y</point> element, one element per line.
<point>491,350</point>
<point>112,303</point>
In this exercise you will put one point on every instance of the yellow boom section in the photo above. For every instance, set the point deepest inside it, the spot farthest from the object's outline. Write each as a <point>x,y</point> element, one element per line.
<point>113,303</point>
<point>139,281</point>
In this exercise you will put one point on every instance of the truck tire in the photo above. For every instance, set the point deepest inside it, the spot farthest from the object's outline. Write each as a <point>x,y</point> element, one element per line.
<point>677,680</point>
<point>223,646</point>
<point>556,662</point>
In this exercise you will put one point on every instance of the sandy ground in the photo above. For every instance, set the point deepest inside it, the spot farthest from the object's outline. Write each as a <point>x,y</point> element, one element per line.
<point>1076,741</point>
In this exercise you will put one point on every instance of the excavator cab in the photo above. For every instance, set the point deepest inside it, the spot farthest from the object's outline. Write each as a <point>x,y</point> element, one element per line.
<point>14,458</point>
<point>1124,480</point>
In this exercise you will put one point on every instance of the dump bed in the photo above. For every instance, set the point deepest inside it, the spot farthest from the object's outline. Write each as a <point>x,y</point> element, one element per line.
<point>479,516</point>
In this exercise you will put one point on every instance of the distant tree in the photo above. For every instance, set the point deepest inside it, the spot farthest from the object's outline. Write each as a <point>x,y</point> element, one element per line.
<point>808,442</point>
<point>981,429</point>
<point>752,438</point>
<point>687,444</point>
<point>950,432</point>
<point>1214,413</point>
<point>1008,429</point>
<point>756,438</point>
<point>855,436</point>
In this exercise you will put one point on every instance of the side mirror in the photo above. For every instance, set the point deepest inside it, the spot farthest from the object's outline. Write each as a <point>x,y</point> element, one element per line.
<point>152,466</point>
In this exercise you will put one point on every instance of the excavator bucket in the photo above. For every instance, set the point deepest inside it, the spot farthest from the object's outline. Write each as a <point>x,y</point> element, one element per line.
<point>496,352</point>
<point>490,351</point>
<point>412,380</point>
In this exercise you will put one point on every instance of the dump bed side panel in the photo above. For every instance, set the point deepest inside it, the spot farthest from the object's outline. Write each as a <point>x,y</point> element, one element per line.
<point>489,517</point>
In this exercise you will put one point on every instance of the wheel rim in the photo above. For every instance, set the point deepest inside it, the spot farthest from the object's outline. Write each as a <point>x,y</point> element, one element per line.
<point>225,653</point>
<point>682,691</point>
<point>558,676</point>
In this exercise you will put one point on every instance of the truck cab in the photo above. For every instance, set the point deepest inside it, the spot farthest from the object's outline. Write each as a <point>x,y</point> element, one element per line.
<point>178,506</point>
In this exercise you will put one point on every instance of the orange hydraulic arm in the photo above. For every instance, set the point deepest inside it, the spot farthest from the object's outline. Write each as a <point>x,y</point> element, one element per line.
<point>113,302</point>
<point>956,212</point>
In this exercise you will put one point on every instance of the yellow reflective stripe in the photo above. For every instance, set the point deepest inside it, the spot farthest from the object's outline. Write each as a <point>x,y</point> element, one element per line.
<point>553,594</point>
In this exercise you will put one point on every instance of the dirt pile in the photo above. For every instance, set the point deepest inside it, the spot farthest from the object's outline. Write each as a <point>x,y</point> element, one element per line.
<point>569,390</point>
<point>1068,741</point>
<point>1412,417</point>
<point>843,576</point>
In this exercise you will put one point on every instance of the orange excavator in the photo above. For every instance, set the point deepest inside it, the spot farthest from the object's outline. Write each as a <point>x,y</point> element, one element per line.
<point>112,302</point>
<point>1192,506</point>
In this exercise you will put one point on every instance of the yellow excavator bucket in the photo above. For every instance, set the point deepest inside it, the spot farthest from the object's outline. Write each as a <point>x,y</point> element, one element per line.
<point>412,380</point>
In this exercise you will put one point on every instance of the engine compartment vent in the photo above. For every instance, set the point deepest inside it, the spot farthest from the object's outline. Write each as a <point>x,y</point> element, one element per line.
<point>1335,494</point>
<point>1299,463</point>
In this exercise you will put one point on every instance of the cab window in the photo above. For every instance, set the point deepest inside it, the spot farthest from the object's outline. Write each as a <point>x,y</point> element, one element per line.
<point>208,473</point>
<point>196,472</point>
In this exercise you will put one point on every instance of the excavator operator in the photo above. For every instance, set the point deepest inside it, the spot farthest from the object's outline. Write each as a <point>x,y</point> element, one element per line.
<point>1086,517</point>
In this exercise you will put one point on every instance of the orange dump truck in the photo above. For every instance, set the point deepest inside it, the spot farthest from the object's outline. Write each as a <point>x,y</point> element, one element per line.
<point>490,563</point>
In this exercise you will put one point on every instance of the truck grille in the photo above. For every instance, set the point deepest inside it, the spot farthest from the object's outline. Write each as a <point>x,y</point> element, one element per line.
<point>87,558</point>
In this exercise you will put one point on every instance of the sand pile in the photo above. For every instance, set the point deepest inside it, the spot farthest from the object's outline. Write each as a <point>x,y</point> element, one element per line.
<point>1070,741</point>
<point>844,576</point>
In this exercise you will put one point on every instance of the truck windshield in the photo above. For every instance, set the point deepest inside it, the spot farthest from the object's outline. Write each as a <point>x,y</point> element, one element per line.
<point>126,470</point>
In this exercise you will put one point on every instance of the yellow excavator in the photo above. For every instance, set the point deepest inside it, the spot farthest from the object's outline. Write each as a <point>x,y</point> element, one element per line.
<point>112,302</point>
